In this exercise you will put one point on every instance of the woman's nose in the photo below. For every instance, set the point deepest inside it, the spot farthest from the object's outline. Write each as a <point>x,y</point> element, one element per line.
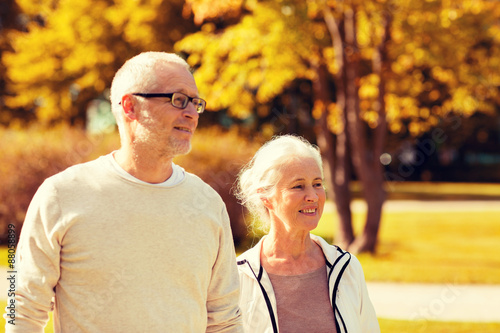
<point>311,195</point>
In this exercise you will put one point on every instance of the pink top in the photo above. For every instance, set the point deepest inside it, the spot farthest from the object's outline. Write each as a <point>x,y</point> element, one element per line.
<point>303,303</point>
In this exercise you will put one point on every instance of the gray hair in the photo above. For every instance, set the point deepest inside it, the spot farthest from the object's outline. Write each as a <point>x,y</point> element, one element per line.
<point>136,75</point>
<point>259,177</point>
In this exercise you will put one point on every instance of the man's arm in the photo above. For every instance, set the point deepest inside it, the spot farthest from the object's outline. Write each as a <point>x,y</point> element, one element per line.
<point>223,295</point>
<point>38,252</point>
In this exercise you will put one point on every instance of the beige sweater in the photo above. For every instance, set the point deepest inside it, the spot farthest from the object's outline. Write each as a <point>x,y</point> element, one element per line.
<point>119,256</point>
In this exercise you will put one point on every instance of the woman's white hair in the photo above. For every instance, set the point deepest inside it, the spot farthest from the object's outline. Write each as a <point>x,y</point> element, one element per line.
<point>259,177</point>
<point>137,75</point>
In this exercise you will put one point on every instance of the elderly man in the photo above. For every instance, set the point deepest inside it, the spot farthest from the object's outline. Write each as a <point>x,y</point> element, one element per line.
<point>130,242</point>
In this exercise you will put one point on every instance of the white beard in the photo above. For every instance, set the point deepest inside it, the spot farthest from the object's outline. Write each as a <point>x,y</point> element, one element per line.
<point>151,136</point>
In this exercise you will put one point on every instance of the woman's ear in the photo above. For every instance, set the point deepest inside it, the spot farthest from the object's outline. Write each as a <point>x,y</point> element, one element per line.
<point>128,107</point>
<point>266,202</point>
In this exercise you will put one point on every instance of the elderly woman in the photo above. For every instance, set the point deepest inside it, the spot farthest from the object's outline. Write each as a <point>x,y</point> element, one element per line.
<point>293,281</point>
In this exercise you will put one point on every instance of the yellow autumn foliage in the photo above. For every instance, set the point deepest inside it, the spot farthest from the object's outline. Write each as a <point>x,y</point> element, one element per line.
<point>59,65</point>
<point>247,64</point>
<point>442,56</point>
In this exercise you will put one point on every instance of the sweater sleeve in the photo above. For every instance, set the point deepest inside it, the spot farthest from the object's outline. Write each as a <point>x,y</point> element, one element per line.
<point>38,270</point>
<point>223,293</point>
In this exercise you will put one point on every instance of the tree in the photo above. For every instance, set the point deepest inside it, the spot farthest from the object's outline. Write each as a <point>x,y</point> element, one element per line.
<point>71,50</point>
<point>392,63</point>
<point>9,20</point>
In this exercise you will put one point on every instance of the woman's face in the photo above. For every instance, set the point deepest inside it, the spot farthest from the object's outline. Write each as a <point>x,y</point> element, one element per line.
<point>298,202</point>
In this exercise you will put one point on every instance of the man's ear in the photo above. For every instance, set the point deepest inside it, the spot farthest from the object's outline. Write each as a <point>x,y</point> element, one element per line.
<point>128,107</point>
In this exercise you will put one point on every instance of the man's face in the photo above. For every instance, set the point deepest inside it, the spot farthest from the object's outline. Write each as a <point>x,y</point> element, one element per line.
<point>162,127</point>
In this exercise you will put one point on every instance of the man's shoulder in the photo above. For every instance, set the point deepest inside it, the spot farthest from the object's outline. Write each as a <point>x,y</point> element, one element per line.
<point>194,180</point>
<point>201,189</point>
<point>77,172</point>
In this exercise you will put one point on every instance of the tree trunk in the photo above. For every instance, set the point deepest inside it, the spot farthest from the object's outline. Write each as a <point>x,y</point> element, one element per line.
<point>324,137</point>
<point>375,194</point>
<point>368,167</point>
<point>345,234</point>
<point>334,160</point>
<point>341,177</point>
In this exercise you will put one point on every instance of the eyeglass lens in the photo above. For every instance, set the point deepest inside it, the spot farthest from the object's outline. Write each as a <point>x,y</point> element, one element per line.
<point>180,100</point>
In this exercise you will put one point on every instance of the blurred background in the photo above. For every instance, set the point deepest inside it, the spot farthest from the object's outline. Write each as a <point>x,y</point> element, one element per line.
<point>402,97</point>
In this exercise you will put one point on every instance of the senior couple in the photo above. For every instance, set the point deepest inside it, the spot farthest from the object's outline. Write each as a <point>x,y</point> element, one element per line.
<point>130,242</point>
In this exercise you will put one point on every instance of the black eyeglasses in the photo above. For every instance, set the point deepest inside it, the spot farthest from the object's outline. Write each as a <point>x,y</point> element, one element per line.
<point>179,100</point>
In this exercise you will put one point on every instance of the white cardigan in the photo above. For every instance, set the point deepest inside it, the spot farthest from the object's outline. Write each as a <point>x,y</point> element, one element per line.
<point>354,312</point>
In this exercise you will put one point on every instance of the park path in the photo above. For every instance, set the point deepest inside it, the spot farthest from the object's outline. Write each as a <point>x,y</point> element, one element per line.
<point>436,302</point>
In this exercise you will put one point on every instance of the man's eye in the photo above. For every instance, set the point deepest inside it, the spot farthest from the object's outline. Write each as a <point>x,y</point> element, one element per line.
<point>179,99</point>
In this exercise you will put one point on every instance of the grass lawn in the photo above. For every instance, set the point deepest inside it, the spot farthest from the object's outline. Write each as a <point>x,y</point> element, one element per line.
<point>441,247</point>
<point>402,326</point>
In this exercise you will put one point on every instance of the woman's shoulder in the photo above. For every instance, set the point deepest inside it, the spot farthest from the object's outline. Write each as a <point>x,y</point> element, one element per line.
<point>330,250</point>
<point>252,255</point>
<point>249,261</point>
<point>333,253</point>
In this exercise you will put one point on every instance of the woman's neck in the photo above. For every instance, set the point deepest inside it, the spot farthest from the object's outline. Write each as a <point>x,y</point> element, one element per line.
<point>290,254</point>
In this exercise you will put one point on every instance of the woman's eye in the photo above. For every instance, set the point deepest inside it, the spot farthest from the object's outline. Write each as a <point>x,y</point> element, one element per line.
<point>297,186</point>
<point>318,185</point>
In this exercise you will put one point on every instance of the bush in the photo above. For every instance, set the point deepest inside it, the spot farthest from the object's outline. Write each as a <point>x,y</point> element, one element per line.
<point>30,156</point>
